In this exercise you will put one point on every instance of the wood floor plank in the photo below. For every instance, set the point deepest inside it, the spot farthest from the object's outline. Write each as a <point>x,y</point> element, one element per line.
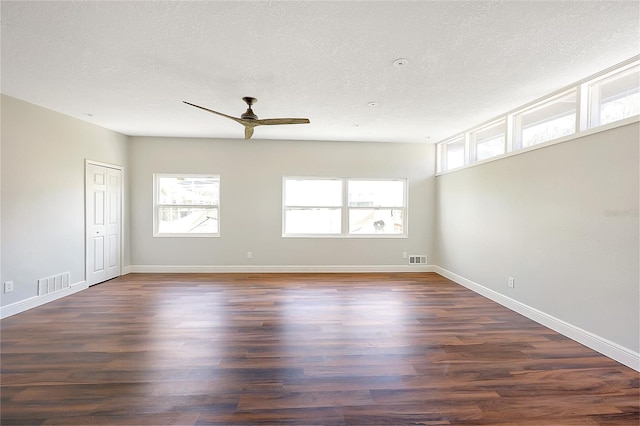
<point>332,349</point>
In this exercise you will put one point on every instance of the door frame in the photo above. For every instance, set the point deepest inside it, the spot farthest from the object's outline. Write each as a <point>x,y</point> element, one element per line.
<point>88,162</point>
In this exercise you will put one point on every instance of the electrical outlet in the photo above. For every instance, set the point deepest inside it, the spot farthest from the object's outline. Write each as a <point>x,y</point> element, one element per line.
<point>512,282</point>
<point>249,255</point>
<point>404,254</point>
<point>8,286</point>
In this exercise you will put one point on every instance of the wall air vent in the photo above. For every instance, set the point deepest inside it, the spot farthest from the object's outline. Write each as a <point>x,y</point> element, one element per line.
<point>53,283</point>
<point>418,260</point>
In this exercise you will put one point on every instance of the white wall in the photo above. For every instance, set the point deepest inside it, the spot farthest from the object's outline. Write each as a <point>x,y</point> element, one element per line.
<point>251,203</point>
<point>42,177</point>
<point>561,220</point>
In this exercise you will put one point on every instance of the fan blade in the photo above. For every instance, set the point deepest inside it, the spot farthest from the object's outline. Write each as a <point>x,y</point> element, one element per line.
<point>239,120</point>
<point>274,121</point>
<point>249,124</point>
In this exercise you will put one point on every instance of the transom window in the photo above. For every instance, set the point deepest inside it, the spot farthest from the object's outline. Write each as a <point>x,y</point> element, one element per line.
<point>615,97</point>
<point>186,205</point>
<point>609,97</point>
<point>454,153</point>
<point>489,141</point>
<point>550,120</point>
<point>344,207</point>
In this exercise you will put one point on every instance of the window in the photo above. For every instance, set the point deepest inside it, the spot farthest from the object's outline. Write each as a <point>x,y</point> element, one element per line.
<point>376,207</point>
<point>552,119</point>
<point>312,206</point>
<point>615,97</point>
<point>453,153</point>
<point>344,207</point>
<point>610,96</point>
<point>490,141</point>
<point>186,205</point>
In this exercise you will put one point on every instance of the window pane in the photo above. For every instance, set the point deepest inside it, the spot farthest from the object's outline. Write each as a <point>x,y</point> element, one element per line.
<point>313,221</point>
<point>187,220</point>
<point>455,154</point>
<point>313,192</point>
<point>552,120</point>
<point>376,193</point>
<point>376,221</point>
<point>619,96</point>
<point>188,190</point>
<point>490,141</point>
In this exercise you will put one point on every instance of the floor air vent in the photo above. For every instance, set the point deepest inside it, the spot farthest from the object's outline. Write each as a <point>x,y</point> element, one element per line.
<point>53,283</point>
<point>417,260</point>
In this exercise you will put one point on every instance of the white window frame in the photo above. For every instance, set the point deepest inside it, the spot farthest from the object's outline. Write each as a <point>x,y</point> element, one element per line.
<point>345,208</point>
<point>443,152</point>
<point>516,118</point>
<point>286,207</point>
<point>473,139</point>
<point>586,106</point>
<point>157,205</point>
<point>593,92</point>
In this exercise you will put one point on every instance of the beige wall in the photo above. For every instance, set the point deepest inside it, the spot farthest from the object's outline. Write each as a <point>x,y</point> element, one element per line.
<point>43,163</point>
<point>561,220</point>
<point>251,175</point>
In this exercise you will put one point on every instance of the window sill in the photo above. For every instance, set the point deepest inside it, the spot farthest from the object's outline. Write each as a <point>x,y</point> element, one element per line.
<point>155,235</point>
<point>347,237</point>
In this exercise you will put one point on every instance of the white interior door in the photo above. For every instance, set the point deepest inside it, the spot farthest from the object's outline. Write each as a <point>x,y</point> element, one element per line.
<point>103,222</point>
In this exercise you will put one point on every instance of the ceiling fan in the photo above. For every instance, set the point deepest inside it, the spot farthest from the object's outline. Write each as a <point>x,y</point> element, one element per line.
<point>249,120</point>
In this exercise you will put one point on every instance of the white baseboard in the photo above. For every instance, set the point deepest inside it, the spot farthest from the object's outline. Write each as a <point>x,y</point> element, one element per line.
<point>186,269</point>
<point>32,302</point>
<point>606,347</point>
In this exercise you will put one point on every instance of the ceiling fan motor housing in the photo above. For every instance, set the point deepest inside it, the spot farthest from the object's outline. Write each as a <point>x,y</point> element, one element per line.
<point>249,115</point>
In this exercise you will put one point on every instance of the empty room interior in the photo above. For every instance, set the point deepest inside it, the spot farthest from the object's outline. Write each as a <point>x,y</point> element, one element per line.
<point>291,212</point>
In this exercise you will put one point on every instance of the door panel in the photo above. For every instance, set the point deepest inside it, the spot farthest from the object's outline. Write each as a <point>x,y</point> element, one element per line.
<point>98,257</point>
<point>113,219</point>
<point>98,205</point>
<point>104,198</point>
<point>96,229</point>
<point>113,256</point>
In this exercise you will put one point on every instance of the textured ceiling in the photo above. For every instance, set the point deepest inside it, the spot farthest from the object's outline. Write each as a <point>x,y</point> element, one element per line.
<point>131,64</point>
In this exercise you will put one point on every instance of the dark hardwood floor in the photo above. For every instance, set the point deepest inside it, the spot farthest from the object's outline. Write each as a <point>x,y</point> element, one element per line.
<point>334,349</point>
